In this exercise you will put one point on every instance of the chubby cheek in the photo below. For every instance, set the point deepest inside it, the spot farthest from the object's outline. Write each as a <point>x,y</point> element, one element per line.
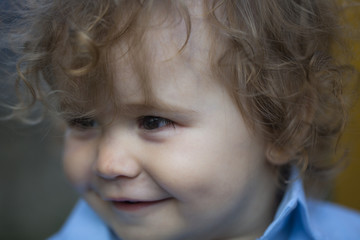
<point>207,172</point>
<point>78,161</point>
<point>186,174</point>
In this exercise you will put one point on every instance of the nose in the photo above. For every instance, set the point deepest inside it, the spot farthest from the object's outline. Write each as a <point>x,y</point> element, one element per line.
<point>116,157</point>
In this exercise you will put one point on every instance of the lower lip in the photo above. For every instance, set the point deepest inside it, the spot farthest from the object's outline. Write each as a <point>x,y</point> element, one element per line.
<point>130,207</point>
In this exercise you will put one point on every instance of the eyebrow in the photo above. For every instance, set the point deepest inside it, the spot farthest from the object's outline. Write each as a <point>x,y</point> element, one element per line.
<point>134,108</point>
<point>156,106</point>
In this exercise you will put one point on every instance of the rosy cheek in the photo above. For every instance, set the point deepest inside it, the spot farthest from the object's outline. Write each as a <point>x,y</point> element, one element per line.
<point>78,160</point>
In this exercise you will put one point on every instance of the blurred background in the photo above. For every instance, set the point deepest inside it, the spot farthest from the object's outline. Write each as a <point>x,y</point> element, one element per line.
<point>347,186</point>
<point>35,197</point>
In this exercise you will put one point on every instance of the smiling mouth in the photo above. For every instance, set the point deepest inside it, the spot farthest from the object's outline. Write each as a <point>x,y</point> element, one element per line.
<point>129,205</point>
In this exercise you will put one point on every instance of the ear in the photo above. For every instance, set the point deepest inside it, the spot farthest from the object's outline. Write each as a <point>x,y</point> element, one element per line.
<point>298,134</point>
<point>276,156</point>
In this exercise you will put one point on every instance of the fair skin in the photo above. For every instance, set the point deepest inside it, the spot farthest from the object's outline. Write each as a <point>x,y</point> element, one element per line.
<point>190,166</point>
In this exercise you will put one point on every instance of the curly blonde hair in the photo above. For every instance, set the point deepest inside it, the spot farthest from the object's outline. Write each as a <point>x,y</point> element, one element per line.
<point>277,65</point>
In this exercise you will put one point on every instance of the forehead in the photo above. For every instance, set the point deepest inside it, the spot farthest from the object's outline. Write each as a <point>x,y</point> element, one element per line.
<point>165,56</point>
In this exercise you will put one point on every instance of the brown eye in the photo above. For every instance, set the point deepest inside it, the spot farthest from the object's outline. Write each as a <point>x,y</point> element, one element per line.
<point>152,122</point>
<point>82,123</point>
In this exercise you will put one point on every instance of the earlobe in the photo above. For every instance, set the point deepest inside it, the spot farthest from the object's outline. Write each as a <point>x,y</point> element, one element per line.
<point>276,156</point>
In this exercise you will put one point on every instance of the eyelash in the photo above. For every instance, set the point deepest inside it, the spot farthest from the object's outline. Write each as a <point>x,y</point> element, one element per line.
<point>150,123</point>
<point>82,123</point>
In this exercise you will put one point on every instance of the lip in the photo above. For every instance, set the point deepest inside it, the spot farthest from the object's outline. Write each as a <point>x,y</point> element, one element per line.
<point>131,205</point>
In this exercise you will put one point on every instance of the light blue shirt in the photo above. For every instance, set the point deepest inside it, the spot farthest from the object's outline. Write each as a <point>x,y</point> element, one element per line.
<point>297,218</point>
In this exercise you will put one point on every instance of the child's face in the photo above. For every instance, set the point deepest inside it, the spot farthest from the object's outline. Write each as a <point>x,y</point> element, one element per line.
<point>189,164</point>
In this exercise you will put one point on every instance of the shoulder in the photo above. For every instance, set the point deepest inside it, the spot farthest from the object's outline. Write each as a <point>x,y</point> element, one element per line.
<point>83,223</point>
<point>333,221</point>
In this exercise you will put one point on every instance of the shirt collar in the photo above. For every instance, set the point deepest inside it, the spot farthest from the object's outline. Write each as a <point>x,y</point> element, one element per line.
<point>292,216</point>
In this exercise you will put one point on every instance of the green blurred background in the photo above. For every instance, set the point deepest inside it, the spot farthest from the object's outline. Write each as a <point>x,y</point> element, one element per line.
<point>347,187</point>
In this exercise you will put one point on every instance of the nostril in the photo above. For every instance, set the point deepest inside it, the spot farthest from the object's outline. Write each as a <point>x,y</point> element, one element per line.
<point>105,176</point>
